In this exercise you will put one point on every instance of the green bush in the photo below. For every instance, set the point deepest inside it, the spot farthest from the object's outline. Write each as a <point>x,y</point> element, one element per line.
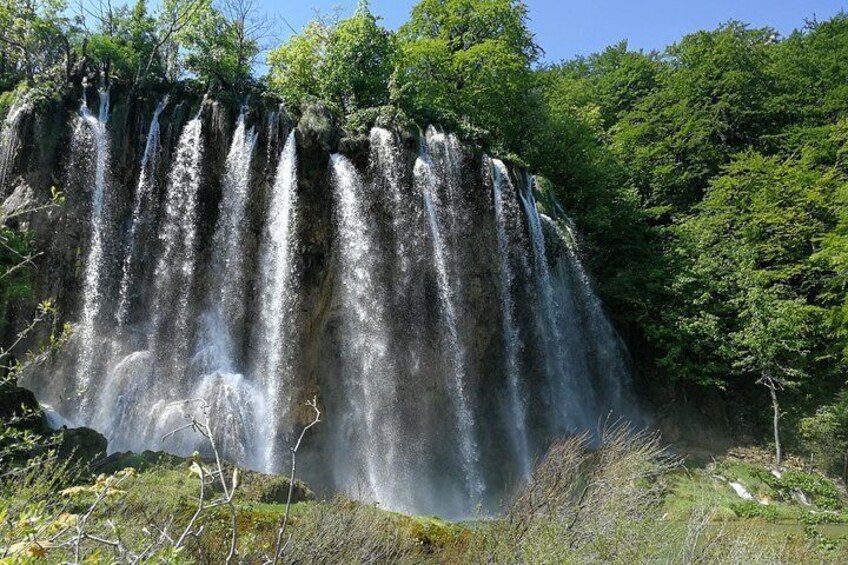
<point>821,490</point>
<point>753,509</point>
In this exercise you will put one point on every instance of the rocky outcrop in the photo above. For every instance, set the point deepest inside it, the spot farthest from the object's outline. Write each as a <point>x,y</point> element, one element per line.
<point>81,444</point>
<point>20,407</point>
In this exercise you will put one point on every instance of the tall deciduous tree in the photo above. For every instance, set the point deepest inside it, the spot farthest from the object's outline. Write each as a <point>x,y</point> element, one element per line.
<point>223,42</point>
<point>360,60</point>
<point>36,40</point>
<point>347,64</point>
<point>710,104</point>
<point>470,60</point>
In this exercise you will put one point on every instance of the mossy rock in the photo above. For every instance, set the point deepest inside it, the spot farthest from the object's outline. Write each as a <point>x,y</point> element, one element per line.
<point>272,489</point>
<point>318,127</point>
<point>138,461</point>
<point>360,122</point>
<point>433,532</point>
<point>82,444</point>
<point>17,402</point>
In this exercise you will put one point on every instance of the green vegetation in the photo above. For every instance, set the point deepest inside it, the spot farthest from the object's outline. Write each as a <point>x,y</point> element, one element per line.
<point>709,182</point>
<point>735,159</point>
<point>625,501</point>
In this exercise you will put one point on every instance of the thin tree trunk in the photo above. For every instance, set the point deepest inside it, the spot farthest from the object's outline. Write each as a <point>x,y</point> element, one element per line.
<point>773,385</point>
<point>776,407</point>
<point>845,466</point>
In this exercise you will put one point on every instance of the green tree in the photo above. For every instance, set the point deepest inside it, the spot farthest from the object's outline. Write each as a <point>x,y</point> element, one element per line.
<point>778,334</point>
<point>36,40</point>
<point>348,64</point>
<point>295,68</point>
<point>124,43</point>
<point>471,60</point>
<point>359,62</point>
<point>613,81</point>
<point>222,44</point>
<point>711,103</point>
<point>825,435</point>
<point>811,77</point>
<point>466,23</point>
<point>749,291</point>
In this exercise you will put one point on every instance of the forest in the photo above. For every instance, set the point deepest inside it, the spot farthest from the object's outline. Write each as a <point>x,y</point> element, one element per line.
<point>708,184</point>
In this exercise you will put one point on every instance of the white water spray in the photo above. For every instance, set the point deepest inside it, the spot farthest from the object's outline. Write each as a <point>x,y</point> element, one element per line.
<point>174,275</point>
<point>143,209</point>
<point>10,139</point>
<point>466,426</point>
<point>225,316</point>
<point>95,128</point>
<point>276,270</point>
<point>512,344</point>
<point>369,369</point>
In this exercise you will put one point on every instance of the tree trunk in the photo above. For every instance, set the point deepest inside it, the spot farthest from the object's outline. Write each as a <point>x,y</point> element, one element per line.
<point>776,407</point>
<point>845,466</point>
<point>773,385</point>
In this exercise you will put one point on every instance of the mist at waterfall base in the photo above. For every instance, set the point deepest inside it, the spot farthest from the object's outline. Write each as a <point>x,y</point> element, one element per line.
<point>449,330</point>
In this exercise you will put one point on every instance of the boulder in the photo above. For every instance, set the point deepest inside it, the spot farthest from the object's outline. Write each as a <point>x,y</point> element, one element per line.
<point>21,404</point>
<point>83,445</point>
<point>318,128</point>
<point>272,489</point>
<point>138,461</point>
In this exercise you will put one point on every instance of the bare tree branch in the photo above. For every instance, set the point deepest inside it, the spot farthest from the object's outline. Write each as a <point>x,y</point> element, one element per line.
<point>280,548</point>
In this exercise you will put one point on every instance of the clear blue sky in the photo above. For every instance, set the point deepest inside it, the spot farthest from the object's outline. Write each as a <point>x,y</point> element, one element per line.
<point>565,28</point>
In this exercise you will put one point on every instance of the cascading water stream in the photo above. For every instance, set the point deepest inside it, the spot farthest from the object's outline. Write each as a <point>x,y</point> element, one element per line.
<point>373,427</point>
<point>385,158</point>
<point>95,127</point>
<point>142,215</point>
<point>9,139</point>
<point>174,275</point>
<point>512,344</point>
<point>225,315</point>
<point>222,321</point>
<point>276,268</point>
<point>445,151</point>
<point>466,427</point>
<point>273,132</point>
<point>602,346</point>
<point>574,399</point>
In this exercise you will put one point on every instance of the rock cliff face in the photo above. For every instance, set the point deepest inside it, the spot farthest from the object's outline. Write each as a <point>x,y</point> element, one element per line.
<point>256,257</point>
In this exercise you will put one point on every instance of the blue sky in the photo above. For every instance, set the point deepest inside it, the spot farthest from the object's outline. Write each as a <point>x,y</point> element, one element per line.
<point>565,28</point>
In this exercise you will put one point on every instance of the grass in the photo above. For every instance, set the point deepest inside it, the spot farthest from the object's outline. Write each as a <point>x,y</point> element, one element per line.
<point>626,503</point>
<point>777,498</point>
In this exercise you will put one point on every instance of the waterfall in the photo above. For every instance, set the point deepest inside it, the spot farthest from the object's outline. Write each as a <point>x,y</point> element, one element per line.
<point>174,274</point>
<point>573,396</point>
<point>447,328</point>
<point>9,139</point>
<point>276,297</point>
<point>386,160</point>
<point>603,348</point>
<point>273,132</point>
<point>144,208</point>
<point>372,436</point>
<point>512,343</point>
<point>224,318</point>
<point>466,426</point>
<point>445,151</point>
<point>93,295</point>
